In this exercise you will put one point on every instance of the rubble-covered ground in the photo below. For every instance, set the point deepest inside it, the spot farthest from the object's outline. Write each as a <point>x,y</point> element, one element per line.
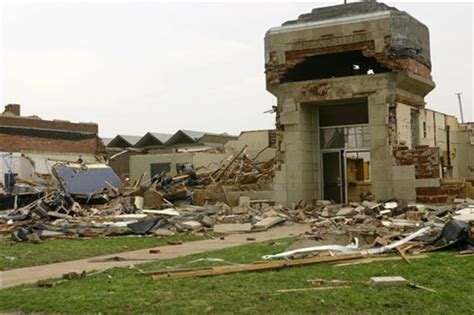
<point>123,291</point>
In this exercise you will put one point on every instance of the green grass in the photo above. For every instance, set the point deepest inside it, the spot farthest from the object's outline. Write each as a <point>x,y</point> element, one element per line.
<point>122,291</point>
<point>17,255</point>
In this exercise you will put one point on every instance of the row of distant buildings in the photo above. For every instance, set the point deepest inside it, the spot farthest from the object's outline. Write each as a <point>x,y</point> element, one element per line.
<point>155,153</point>
<point>30,146</point>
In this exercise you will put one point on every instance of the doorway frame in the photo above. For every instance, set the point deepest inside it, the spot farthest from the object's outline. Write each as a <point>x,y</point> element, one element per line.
<point>342,168</point>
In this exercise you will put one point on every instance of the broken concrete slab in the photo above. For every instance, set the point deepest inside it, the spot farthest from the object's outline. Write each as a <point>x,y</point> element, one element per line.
<point>239,210</point>
<point>346,211</point>
<point>268,223</point>
<point>191,225</point>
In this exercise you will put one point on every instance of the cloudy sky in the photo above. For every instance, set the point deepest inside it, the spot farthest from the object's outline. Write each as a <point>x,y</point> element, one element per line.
<point>138,67</point>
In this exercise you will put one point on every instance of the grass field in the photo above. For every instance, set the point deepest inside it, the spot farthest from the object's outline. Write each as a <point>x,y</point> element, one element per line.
<point>17,255</point>
<point>123,291</point>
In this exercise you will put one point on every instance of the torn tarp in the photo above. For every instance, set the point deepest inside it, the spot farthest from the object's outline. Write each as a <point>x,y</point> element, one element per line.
<point>455,232</point>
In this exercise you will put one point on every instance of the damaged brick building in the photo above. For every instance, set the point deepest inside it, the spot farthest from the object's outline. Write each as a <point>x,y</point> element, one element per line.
<point>350,81</point>
<point>30,145</point>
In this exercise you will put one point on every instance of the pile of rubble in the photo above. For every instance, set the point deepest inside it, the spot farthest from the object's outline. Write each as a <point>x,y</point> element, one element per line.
<point>90,201</point>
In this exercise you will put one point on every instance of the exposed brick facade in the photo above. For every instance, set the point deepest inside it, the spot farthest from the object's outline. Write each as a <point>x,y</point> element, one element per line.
<point>425,159</point>
<point>441,194</point>
<point>276,71</point>
<point>20,134</point>
<point>15,143</point>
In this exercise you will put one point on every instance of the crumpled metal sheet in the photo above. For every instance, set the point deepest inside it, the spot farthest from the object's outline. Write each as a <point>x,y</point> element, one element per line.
<point>85,180</point>
<point>351,248</point>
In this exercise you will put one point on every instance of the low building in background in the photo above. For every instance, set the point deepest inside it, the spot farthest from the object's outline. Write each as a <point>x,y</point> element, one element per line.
<point>202,150</point>
<point>162,146</point>
<point>29,146</point>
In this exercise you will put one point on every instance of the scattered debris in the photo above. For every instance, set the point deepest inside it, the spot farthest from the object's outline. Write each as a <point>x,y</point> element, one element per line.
<point>88,200</point>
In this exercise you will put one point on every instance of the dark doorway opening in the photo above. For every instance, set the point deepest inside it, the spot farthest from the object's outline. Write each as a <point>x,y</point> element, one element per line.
<point>334,176</point>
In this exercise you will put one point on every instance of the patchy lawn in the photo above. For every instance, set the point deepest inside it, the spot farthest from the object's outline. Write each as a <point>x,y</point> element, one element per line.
<point>122,291</point>
<point>17,255</point>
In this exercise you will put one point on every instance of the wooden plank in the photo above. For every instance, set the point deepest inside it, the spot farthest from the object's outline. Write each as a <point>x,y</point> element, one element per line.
<point>376,259</point>
<point>416,286</point>
<point>272,265</point>
<point>402,254</point>
<point>114,189</point>
<point>217,176</point>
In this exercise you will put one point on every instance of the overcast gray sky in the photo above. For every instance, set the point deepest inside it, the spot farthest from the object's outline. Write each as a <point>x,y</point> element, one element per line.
<point>138,67</point>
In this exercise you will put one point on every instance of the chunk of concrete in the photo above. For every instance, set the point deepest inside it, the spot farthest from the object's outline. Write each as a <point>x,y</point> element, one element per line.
<point>270,213</point>
<point>396,280</point>
<point>232,228</point>
<point>268,223</point>
<point>346,211</point>
<point>191,225</point>
<point>466,215</point>
<point>244,201</point>
<point>163,232</point>
<point>239,210</point>
<point>414,215</point>
<point>390,205</point>
<point>205,220</point>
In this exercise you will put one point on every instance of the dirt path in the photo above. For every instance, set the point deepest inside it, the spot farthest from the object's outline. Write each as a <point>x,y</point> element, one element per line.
<point>20,276</point>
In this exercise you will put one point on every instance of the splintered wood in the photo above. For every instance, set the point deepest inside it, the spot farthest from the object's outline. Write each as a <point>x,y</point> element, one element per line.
<point>272,265</point>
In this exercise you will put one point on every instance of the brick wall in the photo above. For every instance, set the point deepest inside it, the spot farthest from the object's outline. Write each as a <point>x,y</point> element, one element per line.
<point>17,143</point>
<point>441,194</point>
<point>426,160</point>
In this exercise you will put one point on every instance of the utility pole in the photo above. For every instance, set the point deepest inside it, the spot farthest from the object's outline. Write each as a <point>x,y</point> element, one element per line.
<point>460,106</point>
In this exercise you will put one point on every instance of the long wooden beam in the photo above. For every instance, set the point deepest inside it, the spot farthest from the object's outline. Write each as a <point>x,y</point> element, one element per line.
<point>271,265</point>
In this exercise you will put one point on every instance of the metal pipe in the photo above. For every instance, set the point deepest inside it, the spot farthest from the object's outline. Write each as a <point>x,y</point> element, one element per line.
<point>460,106</point>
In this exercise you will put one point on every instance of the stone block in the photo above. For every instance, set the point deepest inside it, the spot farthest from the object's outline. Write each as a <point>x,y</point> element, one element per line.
<point>244,201</point>
<point>396,280</point>
<point>290,118</point>
<point>191,225</point>
<point>239,210</point>
<point>267,223</point>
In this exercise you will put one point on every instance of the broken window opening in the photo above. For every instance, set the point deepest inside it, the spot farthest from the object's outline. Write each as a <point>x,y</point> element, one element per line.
<point>334,65</point>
